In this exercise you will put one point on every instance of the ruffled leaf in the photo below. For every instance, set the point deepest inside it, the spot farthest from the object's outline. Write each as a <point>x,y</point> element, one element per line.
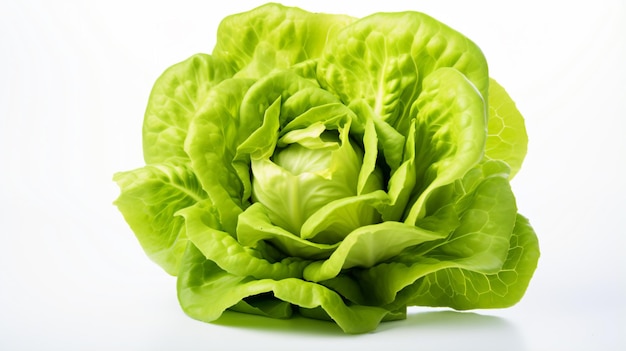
<point>150,197</point>
<point>202,281</point>
<point>175,98</point>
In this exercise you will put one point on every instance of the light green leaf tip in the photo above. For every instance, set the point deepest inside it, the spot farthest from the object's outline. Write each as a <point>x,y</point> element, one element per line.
<point>507,139</point>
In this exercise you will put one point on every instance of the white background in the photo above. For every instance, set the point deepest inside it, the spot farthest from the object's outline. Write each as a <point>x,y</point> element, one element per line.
<point>74,82</point>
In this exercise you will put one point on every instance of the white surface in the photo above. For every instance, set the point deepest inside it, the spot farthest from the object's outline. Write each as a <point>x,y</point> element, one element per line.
<point>74,81</point>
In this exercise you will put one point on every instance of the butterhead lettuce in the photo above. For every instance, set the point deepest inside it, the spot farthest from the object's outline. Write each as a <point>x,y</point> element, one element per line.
<point>334,167</point>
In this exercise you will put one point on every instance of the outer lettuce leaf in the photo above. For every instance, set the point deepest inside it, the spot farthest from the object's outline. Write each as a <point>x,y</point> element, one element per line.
<point>450,134</point>
<point>150,196</point>
<point>383,59</point>
<point>212,141</point>
<point>273,36</point>
<point>204,230</point>
<point>465,289</point>
<point>202,280</point>
<point>486,211</point>
<point>507,139</point>
<point>174,100</point>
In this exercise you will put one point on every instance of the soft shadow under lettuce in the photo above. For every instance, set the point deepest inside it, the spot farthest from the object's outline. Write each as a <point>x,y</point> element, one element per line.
<point>295,324</point>
<point>438,329</point>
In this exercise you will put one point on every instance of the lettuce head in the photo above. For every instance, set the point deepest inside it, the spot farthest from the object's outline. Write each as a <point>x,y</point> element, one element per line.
<point>333,167</point>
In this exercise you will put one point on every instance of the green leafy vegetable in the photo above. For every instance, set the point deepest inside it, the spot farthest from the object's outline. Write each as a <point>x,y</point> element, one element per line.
<point>334,167</point>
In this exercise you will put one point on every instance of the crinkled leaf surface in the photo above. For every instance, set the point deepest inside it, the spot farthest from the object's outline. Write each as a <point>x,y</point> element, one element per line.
<point>274,36</point>
<point>486,211</point>
<point>202,280</point>
<point>213,137</point>
<point>383,59</point>
<point>174,100</point>
<point>466,289</point>
<point>507,138</point>
<point>150,196</point>
<point>450,134</point>
<point>205,232</point>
